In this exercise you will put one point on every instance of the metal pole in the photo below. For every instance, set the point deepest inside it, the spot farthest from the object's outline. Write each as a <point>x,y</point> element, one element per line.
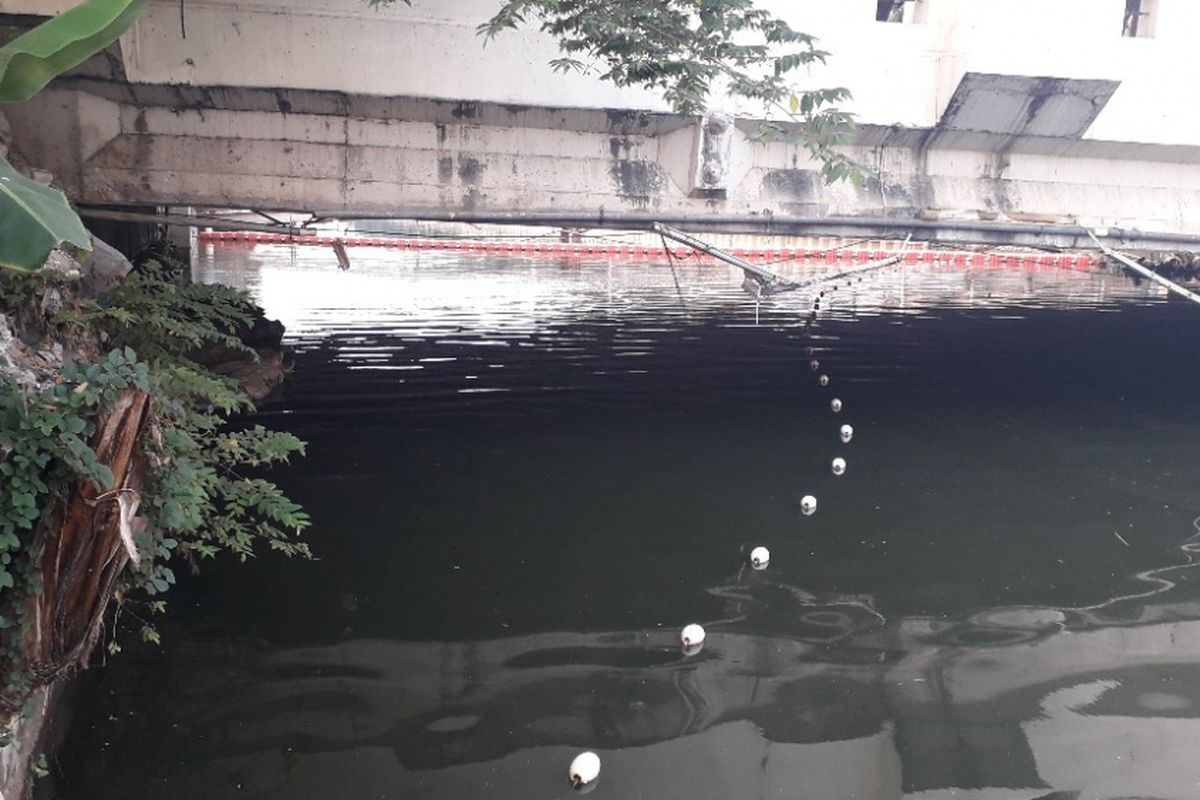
<point>770,282</point>
<point>1129,263</point>
<point>216,223</point>
<point>979,231</point>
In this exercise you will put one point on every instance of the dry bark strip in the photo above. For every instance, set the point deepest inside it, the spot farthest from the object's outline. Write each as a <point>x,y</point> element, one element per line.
<point>80,564</point>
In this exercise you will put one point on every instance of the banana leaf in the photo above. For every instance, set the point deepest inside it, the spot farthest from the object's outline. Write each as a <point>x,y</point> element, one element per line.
<point>37,56</point>
<point>34,219</point>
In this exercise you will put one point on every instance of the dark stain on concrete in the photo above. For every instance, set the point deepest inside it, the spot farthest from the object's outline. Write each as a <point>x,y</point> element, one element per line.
<point>922,191</point>
<point>282,101</point>
<point>638,181</point>
<point>441,134</point>
<point>141,148</point>
<point>471,199</point>
<point>634,179</point>
<point>465,110</point>
<point>626,122</point>
<point>470,170</point>
<point>887,197</point>
<point>1046,88</point>
<point>793,185</point>
<point>445,169</point>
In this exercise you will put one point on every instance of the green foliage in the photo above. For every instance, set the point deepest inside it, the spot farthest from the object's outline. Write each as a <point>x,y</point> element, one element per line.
<point>34,219</point>
<point>679,47</point>
<point>686,49</point>
<point>33,59</point>
<point>201,494</point>
<point>197,498</point>
<point>168,320</point>
<point>43,447</point>
<point>19,289</point>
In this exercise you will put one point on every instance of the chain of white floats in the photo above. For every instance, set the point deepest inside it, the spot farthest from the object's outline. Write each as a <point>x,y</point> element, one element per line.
<point>585,768</point>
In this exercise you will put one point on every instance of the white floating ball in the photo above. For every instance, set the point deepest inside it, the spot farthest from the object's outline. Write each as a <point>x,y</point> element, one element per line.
<point>823,380</point>
<point>847,433</point>
<point>760,557</point>
<point>692,635</point>
<point>808,504</point>
<point>814,365</point>
<point>836,405</point>
<point>585,768</point>
<point>838,466</point>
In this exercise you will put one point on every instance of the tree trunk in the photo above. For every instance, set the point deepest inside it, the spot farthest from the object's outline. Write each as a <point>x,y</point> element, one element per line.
<point>81,561</point>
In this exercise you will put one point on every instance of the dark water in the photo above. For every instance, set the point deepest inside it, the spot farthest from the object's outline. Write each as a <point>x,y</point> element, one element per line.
<point>526,477</point>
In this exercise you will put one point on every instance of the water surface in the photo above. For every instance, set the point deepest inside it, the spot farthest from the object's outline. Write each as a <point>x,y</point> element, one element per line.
<point>527,475</point>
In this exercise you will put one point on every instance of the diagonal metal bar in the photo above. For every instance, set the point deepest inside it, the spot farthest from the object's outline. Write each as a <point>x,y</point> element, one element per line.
<point>1149,274</point>
<point>768,281</point>
<point>868,267</point>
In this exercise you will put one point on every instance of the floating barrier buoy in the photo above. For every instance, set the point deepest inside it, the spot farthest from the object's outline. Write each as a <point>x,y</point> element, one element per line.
<point>847,433</point>
<point>836,405</point>
<point>814,365</point>
<point>838,466</point>
<point>808,504</point>
<point>692,637</point>
<point>823,380</point>
<point>760,557</point>
<point>585,769</point>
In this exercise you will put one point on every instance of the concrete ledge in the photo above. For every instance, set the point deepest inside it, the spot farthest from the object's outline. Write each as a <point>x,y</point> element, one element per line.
<point>116,144</point>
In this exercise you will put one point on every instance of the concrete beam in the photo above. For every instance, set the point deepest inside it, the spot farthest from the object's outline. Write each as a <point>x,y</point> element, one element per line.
<point>115,143</point>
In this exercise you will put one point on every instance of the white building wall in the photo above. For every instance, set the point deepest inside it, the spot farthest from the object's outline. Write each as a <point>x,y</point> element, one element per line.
<point>900,74</point>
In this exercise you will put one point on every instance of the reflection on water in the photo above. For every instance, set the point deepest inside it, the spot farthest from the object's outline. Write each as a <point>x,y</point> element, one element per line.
<point>527,476</point>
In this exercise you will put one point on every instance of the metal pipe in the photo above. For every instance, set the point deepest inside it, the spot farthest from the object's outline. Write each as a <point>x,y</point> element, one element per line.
<point>216,223</point>
<point>977,231</point>
<point>770,282</point>
<point>872,265</point>
<point>762,223</point>
<point>1129,263</point>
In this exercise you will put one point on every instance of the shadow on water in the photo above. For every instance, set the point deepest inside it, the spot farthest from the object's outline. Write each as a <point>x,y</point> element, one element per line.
<point>526,477</point>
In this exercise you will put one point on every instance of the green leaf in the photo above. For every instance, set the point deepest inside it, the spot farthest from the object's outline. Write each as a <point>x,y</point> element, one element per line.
<point>36,57</point>
<point>34,219</point>
<point>149,634</point>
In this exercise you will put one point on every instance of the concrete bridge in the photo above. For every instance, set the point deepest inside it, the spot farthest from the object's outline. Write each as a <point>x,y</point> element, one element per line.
<point>1027,121</point>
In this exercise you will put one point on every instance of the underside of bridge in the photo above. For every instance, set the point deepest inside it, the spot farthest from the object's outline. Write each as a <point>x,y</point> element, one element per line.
<point>1007,162</point>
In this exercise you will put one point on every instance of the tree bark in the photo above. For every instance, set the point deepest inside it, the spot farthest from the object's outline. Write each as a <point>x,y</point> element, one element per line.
<point>82,558</point>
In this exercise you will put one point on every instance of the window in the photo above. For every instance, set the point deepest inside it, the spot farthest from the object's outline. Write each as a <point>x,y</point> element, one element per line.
<point>899,10</point>
<point>889,11</point>
<point>1139,19</point>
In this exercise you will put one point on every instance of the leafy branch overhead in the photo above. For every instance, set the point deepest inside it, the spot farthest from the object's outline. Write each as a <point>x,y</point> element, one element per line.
<point>680,47</point>
<point>687,49</point>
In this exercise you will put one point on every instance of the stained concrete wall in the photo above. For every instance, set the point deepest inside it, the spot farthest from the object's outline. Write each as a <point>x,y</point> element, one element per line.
<point>901,74</point>
<point>971,110</point>
<point>113,143</point>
